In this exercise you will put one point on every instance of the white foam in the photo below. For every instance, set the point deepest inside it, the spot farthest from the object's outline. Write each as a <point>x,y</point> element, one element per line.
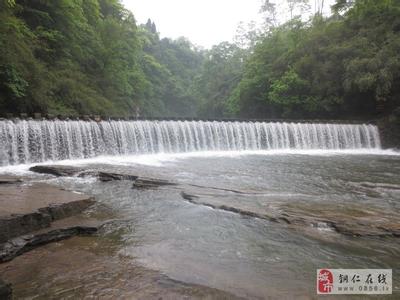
<point>163,159</point>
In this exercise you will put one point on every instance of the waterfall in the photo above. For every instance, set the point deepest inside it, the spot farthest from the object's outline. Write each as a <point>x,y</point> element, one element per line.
<point>35,141</point>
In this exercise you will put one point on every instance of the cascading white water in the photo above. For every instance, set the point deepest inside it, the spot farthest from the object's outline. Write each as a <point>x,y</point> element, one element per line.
<point>35,141</point>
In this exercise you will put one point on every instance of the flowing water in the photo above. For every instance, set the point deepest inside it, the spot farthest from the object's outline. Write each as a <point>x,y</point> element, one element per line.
<point>36,141</point>
<point>277,166</point>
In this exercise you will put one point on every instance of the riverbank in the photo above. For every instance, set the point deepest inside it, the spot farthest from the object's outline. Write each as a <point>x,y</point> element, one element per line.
<point>33,214</point>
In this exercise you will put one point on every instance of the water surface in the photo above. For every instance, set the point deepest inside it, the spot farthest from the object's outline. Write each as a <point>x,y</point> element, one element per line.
<point>246,256</point>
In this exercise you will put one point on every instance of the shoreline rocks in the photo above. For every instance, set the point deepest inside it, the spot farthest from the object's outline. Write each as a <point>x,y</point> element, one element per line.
<point>28,207</point>
<point>25,243</point>
<point>28,211</point>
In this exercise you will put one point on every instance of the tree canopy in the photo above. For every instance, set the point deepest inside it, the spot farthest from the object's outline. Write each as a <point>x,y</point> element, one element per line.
<point>73,57</point>
<point>342,66</point>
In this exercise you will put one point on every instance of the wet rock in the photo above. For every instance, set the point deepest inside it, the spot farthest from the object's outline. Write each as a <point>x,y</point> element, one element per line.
<point>350,221</point>
<point>139,182</point>
<point>16,225</point>
<point>150,183</point>
<point>93,268</point>
<point>26,208</point>
<point>56,170</point>
<point>387,186</point>
<point>188,197</point>
<point>106,176</point>
<point>5,290</point>
<point>22,244</point>
<point>217,205</point>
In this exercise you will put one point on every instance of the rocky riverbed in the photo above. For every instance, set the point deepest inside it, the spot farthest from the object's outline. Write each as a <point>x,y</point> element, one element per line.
<point>34,214</point>
<point>353,220</point>
<point>188,231</point>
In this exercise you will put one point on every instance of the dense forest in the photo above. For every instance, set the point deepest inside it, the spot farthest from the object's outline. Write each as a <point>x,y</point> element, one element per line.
<point>71,57</point>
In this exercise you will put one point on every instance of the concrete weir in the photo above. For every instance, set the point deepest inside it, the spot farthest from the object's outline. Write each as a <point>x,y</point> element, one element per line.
<point>39,141</point>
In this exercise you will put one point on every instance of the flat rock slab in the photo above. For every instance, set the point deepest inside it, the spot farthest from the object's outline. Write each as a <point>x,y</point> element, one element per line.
<point>91,268</point>
<point>351,220</point>
<point>59,230</point>
<point>29,198</point>
<point>28,207</point>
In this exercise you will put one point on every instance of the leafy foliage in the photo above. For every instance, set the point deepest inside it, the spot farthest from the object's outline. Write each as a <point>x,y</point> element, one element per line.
<point>342,66</point>
<point>89,57</point>
<point>74,57</point>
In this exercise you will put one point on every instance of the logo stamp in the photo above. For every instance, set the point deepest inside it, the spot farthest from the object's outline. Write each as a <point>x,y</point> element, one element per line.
<point>354,281</point>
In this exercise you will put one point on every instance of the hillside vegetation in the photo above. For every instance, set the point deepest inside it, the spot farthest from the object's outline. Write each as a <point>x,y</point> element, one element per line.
<point>73,57</point>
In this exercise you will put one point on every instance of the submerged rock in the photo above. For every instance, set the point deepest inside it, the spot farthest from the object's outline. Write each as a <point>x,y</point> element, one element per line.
<point>106,176</point>
<point>188,197</point>
<point>350,221</point>
<point>139,182</point>
<point>149,183</point>
<point>85,268</point>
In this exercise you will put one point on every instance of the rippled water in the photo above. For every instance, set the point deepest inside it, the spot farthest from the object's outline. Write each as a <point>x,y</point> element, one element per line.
<point>246,256</point>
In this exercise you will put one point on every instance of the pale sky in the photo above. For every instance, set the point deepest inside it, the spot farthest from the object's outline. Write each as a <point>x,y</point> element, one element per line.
<point>204,22</point>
